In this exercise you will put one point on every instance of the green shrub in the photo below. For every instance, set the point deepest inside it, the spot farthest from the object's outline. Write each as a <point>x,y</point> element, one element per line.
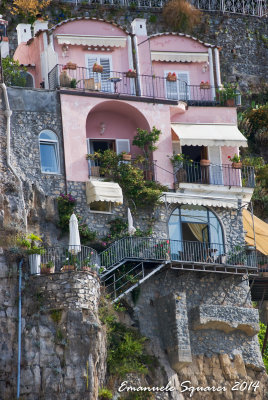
<point>13,72</point>
<point>261,336</point>
<point>105,394</point>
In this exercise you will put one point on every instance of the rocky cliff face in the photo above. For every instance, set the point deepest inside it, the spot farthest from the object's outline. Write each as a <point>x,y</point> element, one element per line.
<point>63,343</point>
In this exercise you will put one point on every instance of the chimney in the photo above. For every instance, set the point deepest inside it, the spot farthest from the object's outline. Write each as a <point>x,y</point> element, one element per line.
<point>40,25</point>
<point>138,26</point>
<point>23,33</point>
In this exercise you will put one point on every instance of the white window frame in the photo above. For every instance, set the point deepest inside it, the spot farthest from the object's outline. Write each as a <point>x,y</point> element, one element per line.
<point>98,57</point>
<point>55,144</point>
<point>177,72</point>
<point>121,140</point>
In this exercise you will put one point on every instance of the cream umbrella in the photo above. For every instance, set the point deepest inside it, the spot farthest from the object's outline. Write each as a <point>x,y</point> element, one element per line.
<point>74,237</point>
<point>131,229</point>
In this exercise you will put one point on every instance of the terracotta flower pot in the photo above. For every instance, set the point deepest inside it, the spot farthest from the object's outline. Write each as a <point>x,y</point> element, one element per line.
<point>204,86</point>
<point>171,78</point>
<point>237,165</point>
<point>127,157</point>
<point>71,65</point>
<point>68,268</point>
<point>86,268</point>
<point>97,68</point>
<point>45,270</point>
<point>131,74</point>
<point>230,102</point>
<point>204,163</point>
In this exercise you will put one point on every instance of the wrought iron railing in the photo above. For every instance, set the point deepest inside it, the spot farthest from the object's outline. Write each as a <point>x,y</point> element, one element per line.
<point>76,256</point>
<point>134,248</point>
<point>149,169</point>
<point>224,174</point>
<point>256,8</point>
<point>147,86</point>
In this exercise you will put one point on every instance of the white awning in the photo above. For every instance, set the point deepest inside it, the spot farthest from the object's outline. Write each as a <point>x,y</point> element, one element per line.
<point>103,191</point>
<point>178,198</point>
<point>89,40</point>
<point>209,135</point>
<point>176,56</point>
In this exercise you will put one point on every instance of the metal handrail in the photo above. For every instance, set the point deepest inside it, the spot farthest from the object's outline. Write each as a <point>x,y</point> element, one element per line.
<point>135,248</point>
<point>147,86</point>
<point>214,174</point>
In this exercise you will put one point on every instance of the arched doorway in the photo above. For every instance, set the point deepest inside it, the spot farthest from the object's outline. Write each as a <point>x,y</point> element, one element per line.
<point>196,234</point>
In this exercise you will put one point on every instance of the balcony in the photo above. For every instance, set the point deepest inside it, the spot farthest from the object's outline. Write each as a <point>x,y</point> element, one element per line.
<point>193,255</point>
<point>150,88</point>
<point>224,175</point>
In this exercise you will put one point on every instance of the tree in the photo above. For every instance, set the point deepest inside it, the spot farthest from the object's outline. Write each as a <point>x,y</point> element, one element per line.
<point>146,141</point>
<point>29,8</point>
<point>181,16</point>
<point>13,72</point>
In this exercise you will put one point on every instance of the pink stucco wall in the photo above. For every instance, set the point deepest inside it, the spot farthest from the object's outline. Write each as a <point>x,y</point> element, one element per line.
<point>196,115</point>
<point>77,54</point>
<point>75,111</point>
<point>176,43</point>
<point>30,54</point>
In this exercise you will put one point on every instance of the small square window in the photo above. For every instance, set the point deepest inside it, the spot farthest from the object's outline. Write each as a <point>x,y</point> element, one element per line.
<point>101,206</point>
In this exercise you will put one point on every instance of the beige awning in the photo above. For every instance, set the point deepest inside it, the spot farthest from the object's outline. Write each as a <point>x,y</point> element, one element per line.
<point>209,135</point>
<point>89,40</point>
<point>176,56</point>
<point>261,232</point>
<point>103,191</point>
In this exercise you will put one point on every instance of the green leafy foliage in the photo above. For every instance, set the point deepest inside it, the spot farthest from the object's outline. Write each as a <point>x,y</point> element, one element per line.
<point>126,347</point>
<point>129,176</point>
<point>147,140</point>
<point>13,72</point>
<point>66,206</point>
<point>105,394</point>
<point>30,244</point>
<point>261,336</point>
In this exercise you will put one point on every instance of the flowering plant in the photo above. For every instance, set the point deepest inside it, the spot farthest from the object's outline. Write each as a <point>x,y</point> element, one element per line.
<point>205,85</point>
<point>180,158</point>
<point>131,73</point>
<point>172,77</point>
<point>235,158</point>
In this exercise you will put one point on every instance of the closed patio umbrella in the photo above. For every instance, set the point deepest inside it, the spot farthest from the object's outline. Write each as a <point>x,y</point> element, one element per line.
<point>74,237</point>
<point>131,229</point>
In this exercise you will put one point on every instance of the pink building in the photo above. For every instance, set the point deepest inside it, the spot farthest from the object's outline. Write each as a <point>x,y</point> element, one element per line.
<point>174,84</point>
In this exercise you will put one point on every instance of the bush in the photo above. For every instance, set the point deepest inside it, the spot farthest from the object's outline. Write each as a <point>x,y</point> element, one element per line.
<point>13,72</point>
<point>261,336</point>
<point>181,16</point>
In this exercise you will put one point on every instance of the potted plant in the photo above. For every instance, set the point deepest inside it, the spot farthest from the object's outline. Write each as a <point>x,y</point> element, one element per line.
<point>171,77</point>
<point>69,263</point>
<point>87,264</point>
<point>31,246</point>
<point>204,163</point>
<point>48,268</point>
<point>71,65</point>
<point>126,156</point>
<point>227,94</point>
<point>236,161</point>
<point>97,68</point>
<point>131,73</point>
<point>204,85</point>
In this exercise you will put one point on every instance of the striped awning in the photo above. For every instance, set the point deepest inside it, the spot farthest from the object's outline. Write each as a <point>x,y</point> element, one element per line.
<point>209,135</point>
<point>103,191</point>
<point>176,56</point>
<point>90,40</point>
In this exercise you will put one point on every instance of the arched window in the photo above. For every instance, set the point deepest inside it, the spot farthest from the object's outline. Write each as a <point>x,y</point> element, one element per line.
<point>49,152</point>
<point>195,232</point>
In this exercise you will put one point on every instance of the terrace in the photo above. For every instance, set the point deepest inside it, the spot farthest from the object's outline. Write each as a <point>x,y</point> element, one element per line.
<point>151,88</point>
<point>190,172</point>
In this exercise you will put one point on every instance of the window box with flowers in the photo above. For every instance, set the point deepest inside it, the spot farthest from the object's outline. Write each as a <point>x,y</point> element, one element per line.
<point>131,73</point>
<point>97,68</point>
<point>126,156</point>
<point>171,77</point>
<point>236,161</point>
<point>205,85</point>
<point>70,65</point>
